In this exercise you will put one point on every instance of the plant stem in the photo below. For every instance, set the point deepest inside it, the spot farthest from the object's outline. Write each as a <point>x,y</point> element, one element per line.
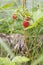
<point>23,4</point>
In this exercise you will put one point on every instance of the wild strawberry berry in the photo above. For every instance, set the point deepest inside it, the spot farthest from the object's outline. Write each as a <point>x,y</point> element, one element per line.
<point>25,23</point>
<point>27,18</point>
<point>14,16</point>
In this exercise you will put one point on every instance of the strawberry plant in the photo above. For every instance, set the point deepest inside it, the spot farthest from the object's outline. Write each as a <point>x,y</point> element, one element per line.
<point>18,19</point>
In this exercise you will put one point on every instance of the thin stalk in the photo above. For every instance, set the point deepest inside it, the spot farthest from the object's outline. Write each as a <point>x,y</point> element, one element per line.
<point>23,4</point>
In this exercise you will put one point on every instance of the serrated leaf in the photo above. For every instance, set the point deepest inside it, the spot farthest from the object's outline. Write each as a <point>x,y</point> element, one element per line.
<point>6,61</point>
<point>20,59</point>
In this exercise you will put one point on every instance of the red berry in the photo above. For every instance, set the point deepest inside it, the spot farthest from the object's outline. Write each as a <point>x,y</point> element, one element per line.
<point>14,16</point>
<point>27,18</point>
<point>25,23</point>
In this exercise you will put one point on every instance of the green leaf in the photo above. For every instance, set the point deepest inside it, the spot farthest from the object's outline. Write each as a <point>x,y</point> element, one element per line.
<point>20,59</point>
<point>7,5</point>
<point>6,61</point>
